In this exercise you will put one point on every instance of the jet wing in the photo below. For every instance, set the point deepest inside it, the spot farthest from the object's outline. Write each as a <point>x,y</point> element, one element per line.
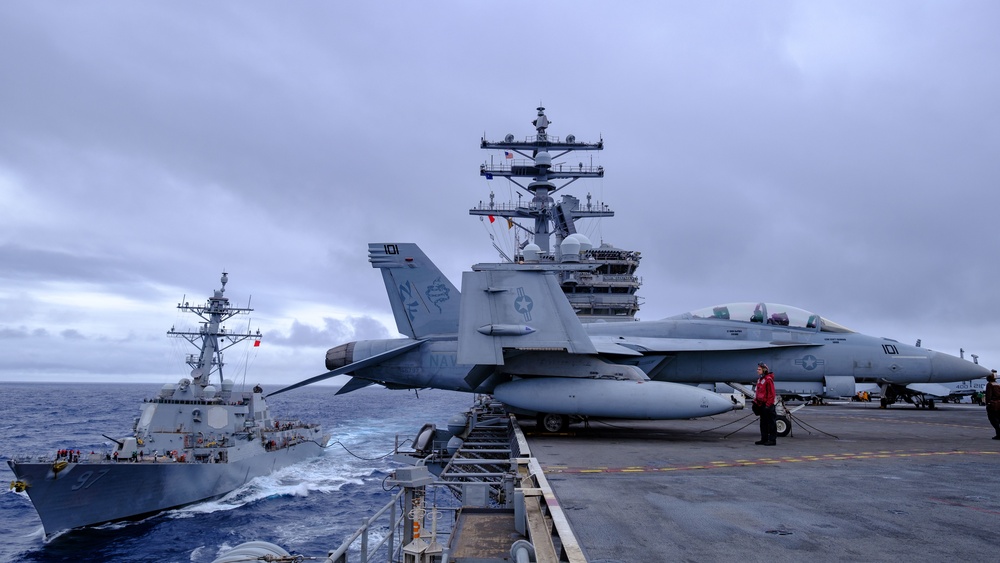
<point>637,346</point>
<point>350,368</point>
<point>931,389</point>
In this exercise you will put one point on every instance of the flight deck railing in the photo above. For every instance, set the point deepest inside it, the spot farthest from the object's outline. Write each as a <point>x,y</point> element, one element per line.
<point>340,554</point>
<point>537,516</point>
<point>524,522</point>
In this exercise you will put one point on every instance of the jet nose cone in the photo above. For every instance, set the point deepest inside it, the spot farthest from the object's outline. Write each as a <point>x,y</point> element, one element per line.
<point>945,368</point>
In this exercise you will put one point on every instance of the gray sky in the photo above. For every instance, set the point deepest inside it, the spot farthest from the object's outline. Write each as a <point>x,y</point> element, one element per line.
<point>841,157</point>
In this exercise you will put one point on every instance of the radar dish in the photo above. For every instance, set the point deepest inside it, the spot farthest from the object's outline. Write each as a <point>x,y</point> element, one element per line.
<point>571,138</point>
<point>509,138</point>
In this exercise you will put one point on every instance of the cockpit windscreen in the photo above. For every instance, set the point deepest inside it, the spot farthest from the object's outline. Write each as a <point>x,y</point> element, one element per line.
<point>766,313</point>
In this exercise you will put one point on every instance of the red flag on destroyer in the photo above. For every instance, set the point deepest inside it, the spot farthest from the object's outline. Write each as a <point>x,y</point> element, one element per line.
<point>492,218</point>
<point>256,343</point>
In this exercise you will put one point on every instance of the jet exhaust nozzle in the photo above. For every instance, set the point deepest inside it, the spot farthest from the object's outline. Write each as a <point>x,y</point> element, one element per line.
<point>340,356</point>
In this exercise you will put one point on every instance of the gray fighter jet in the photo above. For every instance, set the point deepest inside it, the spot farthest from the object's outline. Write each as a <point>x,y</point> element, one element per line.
<point>511,333</point>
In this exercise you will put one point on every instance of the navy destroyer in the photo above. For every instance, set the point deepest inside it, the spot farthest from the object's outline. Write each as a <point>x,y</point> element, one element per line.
<point>193,441</point>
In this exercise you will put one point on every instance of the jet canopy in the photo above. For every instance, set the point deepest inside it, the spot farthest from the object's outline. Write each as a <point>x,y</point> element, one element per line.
<point>765,313</point>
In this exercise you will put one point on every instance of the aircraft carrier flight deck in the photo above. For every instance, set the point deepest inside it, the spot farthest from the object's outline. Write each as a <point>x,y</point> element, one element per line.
<point>853,482</point>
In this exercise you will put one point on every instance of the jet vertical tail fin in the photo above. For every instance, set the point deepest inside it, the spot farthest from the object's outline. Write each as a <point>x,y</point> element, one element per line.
<point>423,300</point>
<point>516,309</point>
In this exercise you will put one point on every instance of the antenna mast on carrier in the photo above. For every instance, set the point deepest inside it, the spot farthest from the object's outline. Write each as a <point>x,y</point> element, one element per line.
<point>607,292</point>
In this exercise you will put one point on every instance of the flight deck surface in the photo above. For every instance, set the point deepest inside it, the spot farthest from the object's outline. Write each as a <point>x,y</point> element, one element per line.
<point>859,483</point>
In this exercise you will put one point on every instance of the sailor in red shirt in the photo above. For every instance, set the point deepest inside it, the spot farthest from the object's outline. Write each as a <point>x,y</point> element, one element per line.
<point>764,400</point>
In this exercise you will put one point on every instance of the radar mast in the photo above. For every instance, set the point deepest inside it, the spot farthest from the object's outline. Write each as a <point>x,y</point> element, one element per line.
<point>213,337</point>
<point>608,291</point>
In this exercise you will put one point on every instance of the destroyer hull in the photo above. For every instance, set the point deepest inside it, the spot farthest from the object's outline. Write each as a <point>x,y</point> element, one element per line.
<point>86,494</point>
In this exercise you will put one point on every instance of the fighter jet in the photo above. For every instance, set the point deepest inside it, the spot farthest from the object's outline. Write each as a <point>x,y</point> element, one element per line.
<point>576,382</point>
<point>925,395</point>
<point>511,333</point>
<point>810,354</point>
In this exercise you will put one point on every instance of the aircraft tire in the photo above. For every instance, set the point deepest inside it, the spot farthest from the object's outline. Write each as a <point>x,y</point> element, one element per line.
<point>552,423</point>
<point>784,426</point>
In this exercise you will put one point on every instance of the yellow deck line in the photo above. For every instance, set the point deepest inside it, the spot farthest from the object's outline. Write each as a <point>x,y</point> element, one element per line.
<point>550,469</point>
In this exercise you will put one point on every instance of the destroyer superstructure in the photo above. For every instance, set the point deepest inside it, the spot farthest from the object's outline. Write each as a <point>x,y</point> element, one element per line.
<point>607,292</point>
<point>193,441</point>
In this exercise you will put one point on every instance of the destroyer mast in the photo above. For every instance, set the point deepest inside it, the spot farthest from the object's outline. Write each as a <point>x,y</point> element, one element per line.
<point>211,339</point>
<point>608,291</point>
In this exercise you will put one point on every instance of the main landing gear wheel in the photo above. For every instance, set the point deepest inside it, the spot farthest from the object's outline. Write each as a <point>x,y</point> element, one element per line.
<point>550,422</point>
<point>784,426</point>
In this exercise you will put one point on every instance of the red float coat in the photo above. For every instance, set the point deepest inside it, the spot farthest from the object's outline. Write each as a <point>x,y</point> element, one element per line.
<point>765,390</point>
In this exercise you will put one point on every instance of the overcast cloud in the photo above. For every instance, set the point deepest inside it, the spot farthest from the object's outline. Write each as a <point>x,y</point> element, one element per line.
<point>837,156</point>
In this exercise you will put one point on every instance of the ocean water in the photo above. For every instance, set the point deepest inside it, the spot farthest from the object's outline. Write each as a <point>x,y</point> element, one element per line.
<point>307,509</point>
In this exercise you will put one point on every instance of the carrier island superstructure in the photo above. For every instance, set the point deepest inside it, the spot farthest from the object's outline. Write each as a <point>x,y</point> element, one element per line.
<point>608,291</point>
<point>193,441</point>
